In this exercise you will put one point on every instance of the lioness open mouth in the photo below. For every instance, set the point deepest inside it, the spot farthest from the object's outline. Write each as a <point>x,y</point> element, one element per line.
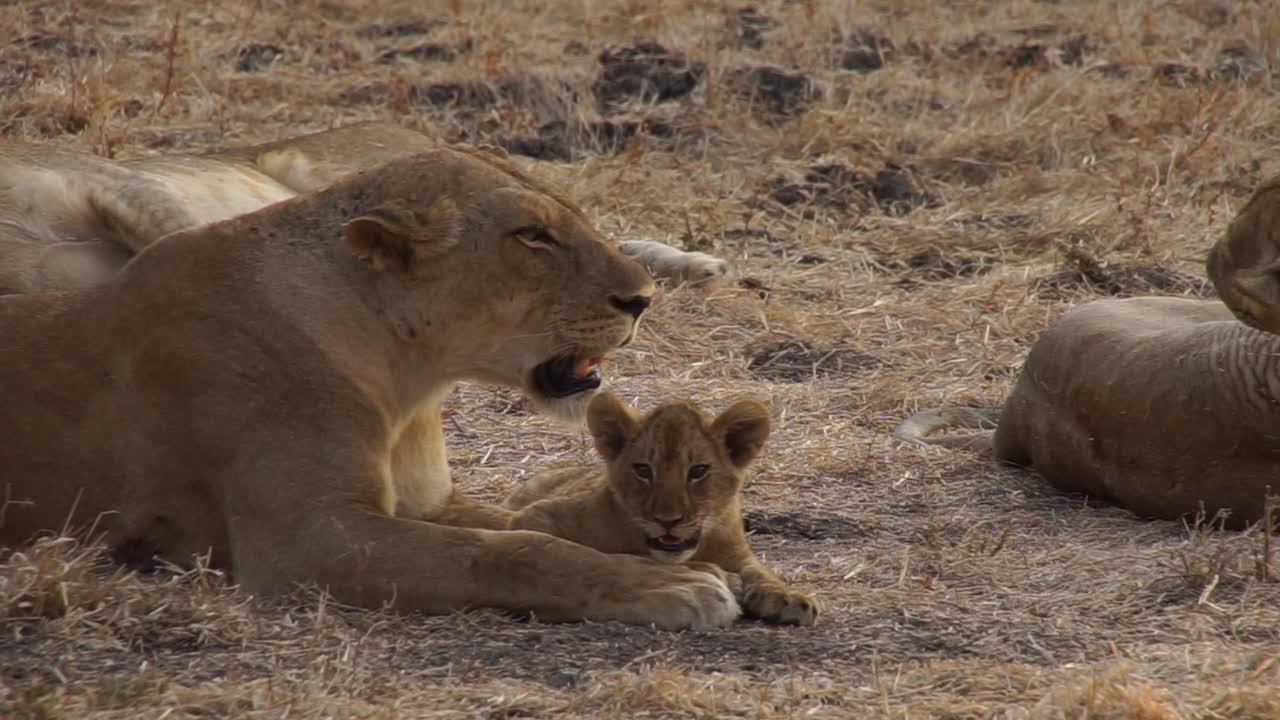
<point>672,544</point>
<point>567,375</point>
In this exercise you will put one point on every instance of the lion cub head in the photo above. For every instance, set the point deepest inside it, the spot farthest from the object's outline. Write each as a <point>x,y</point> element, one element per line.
<point>497,277</point>
<point>672,470</point>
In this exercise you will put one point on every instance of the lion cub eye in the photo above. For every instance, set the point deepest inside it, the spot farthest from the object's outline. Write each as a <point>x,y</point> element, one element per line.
<point>536,237</point>
<point>642,471</point>
<point>698,472</point>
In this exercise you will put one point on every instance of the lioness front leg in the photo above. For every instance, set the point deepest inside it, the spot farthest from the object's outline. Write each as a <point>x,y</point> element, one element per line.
<point>342,541</point>
<point>370,560</point>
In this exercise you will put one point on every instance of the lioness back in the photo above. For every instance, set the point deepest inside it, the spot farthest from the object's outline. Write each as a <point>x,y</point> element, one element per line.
<point>670,489</point>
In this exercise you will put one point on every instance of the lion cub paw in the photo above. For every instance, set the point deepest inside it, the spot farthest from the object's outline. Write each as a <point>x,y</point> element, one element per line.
<point>780,605</point>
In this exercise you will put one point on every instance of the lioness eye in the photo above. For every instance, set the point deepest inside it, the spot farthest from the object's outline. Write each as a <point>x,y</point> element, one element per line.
<point>642,471</point>
<point>697,472</point>
<point>537,237</point>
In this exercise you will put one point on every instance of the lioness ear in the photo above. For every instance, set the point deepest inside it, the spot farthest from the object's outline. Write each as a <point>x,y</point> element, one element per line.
<point>392,236</point>
<point>742,429</point>
<point>612,424</point>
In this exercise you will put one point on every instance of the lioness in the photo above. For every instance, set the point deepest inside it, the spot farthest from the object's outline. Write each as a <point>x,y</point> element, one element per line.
<point>1167,406</point>
<point>669,490</point>
<point>70,220</point>
<point>268,389</point>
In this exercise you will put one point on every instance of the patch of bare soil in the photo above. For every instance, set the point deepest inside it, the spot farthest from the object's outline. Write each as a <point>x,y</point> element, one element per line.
<point>798,361</point>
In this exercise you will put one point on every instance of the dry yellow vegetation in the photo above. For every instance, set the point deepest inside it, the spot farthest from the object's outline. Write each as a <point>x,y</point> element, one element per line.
<point>910,192</point>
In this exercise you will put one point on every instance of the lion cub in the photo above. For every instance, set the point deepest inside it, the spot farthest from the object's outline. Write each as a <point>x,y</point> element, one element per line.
<point>669,489</point>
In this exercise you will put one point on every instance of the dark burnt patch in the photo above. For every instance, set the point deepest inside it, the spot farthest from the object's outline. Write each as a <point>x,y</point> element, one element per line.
<point>644,72</point>
<point>255,57</point>
<point>934,265</point>
<point>1082,273</point>
<point>802,525</point>
<point>747,26</point>
<point>1238,63</point>
<point>427,51</point>
<point>801,361</point>
<point>898,190</point>
<point>778,92</point>
<point>825,186</point>
<point>1179,75</point>
<point>866,51</point>
<point>566,142</point>
<point>1042,48</point>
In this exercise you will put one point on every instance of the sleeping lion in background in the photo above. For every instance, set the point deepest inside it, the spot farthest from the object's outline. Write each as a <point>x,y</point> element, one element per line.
<point>1167,406</point>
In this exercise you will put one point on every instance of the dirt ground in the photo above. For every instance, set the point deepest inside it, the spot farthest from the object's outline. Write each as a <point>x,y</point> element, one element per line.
<point>910,192</point>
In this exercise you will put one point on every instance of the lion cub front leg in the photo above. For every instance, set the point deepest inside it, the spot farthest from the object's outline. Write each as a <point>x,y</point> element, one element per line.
<point>763,594</point>
<point>768,597</point>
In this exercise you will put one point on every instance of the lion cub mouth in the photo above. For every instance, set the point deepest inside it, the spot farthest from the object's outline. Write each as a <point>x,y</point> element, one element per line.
<point>672,544</point>
<point>567,375</point>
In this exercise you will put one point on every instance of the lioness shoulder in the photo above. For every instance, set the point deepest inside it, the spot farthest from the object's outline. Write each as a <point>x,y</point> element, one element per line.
<point>670,488</point>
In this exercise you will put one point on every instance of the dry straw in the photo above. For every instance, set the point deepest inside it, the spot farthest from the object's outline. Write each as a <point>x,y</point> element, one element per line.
<point>899,242</point>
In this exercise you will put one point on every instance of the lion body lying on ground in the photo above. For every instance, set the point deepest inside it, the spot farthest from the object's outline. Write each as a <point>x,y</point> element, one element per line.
<point>267,390</point>
<point>1167,406</point>
<point>670,489</point>
<point>70,220</point>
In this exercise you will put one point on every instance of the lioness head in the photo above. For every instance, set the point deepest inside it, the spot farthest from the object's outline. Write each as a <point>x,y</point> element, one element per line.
<point>497,275</point>
<point>1245,264</point>
<point>671,470</point>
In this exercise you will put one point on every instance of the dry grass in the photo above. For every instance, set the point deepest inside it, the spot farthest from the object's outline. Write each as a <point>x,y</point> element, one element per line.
<point>900,241</point>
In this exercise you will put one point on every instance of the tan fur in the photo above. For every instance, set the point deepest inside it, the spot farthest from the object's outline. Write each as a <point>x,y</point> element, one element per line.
<point>676,266</point>
<point>86,204</point>
<point>1245,264</point>
<point>694,470</point>
<point>267,389</point>
<point>1166,406</point>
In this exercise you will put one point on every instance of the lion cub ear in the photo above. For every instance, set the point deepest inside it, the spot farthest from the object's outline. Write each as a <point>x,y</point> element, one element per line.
<point>391,236</point>
<point>612,425</point>
<point>742,430</point>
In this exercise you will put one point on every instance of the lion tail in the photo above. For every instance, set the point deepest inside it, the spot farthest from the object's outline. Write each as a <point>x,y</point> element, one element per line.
<point>920,426</point>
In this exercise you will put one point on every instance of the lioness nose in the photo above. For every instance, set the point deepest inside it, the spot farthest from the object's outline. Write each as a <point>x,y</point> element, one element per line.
<point>633,305</point>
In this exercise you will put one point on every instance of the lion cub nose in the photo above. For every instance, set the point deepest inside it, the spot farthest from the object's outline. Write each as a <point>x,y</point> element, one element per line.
<point>633,305</point>
<point>669,523</point>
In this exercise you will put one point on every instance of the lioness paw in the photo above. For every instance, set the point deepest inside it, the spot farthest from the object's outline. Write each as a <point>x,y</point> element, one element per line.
<point>675,598</point>
<point>781,605</point>
<point>732,580</point>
